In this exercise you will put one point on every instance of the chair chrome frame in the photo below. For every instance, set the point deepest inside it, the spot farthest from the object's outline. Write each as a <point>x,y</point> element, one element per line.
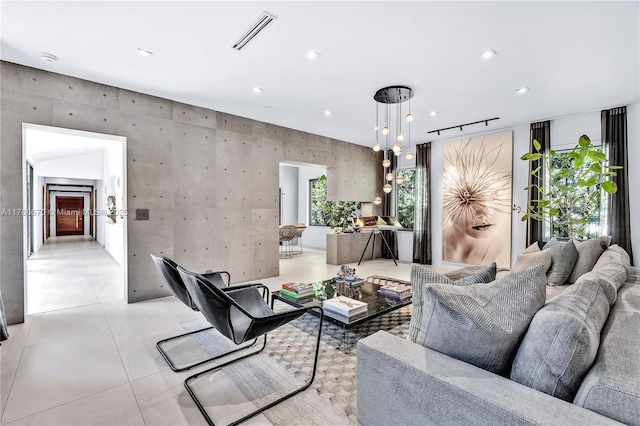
<point>169,272</point>
<point>204,293</point>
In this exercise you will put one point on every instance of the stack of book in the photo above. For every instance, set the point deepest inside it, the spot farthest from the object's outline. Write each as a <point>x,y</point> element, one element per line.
<point>395,291</point>
<point>297,292</point>
<point>345,309</point>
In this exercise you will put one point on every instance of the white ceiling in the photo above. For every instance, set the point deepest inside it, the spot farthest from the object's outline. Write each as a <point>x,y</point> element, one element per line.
<point>574,56</point>
<point>42,145</point>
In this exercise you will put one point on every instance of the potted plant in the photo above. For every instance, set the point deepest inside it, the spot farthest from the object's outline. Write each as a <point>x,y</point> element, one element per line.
<point>571,186</point>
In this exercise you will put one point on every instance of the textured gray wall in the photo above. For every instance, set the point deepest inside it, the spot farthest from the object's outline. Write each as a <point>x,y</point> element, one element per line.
<point>210,179</point>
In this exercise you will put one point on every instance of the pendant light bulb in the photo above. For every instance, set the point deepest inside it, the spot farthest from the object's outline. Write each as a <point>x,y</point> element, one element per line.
<point>409,155</point>
<point>377,200</point>
<point>409,117</point>
<point>397,153</point>
<point>377,147</point>
<point>389,176</point>
<point>387,188</point>
<point>400,137</point>
<point>386,162</point>
<point>385,130</point>
<point>399,179</point>
<point>396,148</point>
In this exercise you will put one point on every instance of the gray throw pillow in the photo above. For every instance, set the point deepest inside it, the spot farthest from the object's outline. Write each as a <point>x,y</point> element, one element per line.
<point>589,252</point>
<point>563,259</point>
<point>481,324</point>
<point>532,256</point>
<point>422,275</point>
<point>563,339</point>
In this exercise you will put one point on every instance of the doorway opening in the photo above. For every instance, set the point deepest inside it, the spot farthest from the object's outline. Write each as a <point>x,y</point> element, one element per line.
<point>75,247</point>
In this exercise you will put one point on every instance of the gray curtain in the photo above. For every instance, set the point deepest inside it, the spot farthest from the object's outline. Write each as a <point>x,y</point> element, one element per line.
<point>422,223</point>
<point>388,210</point>
<point>542,133</point>
<point>614,139</point>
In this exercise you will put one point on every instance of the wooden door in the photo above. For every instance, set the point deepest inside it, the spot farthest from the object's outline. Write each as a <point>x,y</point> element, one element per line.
<point>69,217</point>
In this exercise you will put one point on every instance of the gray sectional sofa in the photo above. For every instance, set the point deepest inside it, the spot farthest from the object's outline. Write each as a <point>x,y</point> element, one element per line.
<point>403,383</point>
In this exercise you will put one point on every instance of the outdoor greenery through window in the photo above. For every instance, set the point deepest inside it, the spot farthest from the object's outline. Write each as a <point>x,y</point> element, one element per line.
<point>328,213</point>
<point>406,198</point>
<point>588,205</point>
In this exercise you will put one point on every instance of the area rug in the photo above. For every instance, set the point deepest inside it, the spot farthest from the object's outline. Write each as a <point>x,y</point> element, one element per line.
<point>288,360</point>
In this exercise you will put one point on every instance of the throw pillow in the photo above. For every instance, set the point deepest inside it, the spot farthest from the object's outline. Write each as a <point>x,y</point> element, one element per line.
<point>589,252</point>
<point>563,339</point>
<point>481,324</point>
<point>422,275</point>
<point>532,256</point>
<point>563,259</point>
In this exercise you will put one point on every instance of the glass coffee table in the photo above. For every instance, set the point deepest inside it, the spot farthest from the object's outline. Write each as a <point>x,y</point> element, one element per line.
<point>367,292</point>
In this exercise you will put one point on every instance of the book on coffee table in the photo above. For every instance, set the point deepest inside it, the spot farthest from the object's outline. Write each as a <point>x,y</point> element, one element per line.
<point>344,306</point>
<point>395,291</point>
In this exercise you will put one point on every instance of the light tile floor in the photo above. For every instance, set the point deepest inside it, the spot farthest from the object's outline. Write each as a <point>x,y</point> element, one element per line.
<point>96,363</point>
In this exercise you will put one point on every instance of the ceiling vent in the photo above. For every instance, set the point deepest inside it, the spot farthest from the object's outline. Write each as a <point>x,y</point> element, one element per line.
<point>263,21</point>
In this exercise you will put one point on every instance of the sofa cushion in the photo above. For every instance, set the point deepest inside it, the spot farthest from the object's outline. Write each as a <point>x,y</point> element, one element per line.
<point>481,324</point>
<point>564,336</point>
<point>589,252</point>
<point>614,265</point>
<point>612,385</point>
<point>563,259</point>
<point>421,275</point>
<point>532,256</point>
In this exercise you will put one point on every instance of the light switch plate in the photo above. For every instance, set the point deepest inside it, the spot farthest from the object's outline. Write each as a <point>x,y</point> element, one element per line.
<point>142,214</point>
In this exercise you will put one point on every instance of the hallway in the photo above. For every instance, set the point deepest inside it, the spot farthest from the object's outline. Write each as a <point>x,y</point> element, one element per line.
<point>69,272</point>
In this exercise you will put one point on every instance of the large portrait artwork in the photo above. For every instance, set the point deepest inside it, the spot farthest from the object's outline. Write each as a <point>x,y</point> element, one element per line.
<point>477,200</point>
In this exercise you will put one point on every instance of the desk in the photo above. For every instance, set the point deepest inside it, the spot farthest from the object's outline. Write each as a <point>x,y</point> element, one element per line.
<point>347,248</point>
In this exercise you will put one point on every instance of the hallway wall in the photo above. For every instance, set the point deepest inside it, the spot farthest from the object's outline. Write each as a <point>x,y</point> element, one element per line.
<point>203,213</point>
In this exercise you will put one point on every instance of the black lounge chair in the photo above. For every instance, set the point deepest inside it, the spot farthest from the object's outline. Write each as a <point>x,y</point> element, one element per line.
<point>241,313</point>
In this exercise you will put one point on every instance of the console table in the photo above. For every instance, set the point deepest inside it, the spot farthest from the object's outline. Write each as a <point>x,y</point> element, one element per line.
<point>347,248</point>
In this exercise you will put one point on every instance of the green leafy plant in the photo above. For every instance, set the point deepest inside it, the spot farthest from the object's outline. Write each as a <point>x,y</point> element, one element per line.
<point>336,214</point>
<point>571,187</point>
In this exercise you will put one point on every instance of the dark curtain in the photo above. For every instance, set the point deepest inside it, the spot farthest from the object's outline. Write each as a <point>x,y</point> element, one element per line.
<point>388,209</point>
<point>614,139</point>
<point>422,223</point>
<point>542,133</point>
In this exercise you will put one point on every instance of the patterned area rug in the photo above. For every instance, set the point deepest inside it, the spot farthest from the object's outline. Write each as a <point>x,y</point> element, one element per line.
<point>334,388</point>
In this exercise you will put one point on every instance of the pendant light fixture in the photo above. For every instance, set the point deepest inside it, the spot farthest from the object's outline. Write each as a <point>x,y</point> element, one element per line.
<point>376,146</point>
<point>395,95</point>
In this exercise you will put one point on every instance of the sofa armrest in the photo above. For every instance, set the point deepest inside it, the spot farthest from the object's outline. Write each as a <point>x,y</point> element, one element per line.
<point>402,383</point>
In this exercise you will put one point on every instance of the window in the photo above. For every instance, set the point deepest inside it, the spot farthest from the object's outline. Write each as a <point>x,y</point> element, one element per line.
<point>588,204</point>
<point>406,198</point>
<point>329,213</point>
<point>317,198</point>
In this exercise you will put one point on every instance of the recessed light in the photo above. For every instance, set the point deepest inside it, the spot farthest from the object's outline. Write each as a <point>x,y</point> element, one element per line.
<point>374,128</point>
<point>268,108</point>
<point>48,57</point>
<point>145,53</point>
<point>327,113</point>
<point>488,54</point>
<point>433,113</point>
<point>522,90</point>
<point>312,55</point>
<point>257,89</point>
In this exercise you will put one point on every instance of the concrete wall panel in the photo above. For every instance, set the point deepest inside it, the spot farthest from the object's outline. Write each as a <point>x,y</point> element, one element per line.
<point>73,115</point>
<point>189,114</point>
<point>210,179</point>
<point>145,105</point>
<point>233,123</point>
<point>264,232</point>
